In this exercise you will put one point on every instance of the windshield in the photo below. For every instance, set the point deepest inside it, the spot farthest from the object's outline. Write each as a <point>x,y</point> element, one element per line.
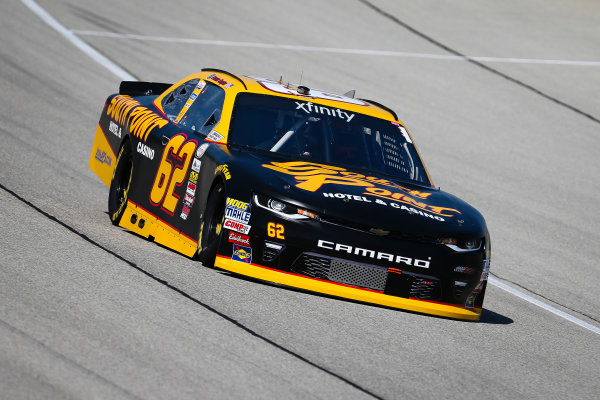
<point>302,129</point>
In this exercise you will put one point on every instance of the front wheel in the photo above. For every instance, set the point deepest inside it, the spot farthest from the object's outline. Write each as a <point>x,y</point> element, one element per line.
<point>212,226</point>
<point>119,185</point>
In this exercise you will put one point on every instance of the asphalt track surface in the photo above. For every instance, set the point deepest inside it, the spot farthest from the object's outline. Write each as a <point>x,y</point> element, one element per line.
<point>88,310</point>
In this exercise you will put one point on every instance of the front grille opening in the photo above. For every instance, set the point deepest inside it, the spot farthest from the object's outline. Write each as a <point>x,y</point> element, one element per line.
<point>425,288</point>
<point>272,250</point>
<point>402,284</point>
<point>312,266</point>
<point>405,236</point>
<point>459,288</point>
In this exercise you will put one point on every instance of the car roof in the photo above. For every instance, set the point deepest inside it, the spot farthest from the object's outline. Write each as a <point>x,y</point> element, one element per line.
<point>253,84</point>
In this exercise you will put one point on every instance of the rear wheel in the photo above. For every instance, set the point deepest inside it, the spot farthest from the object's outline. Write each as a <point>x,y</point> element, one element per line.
<point>119,185</point>
<point>212,226</point>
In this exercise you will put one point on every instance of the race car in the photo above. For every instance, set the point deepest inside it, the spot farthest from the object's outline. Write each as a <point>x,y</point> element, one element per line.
<point>291,185</point>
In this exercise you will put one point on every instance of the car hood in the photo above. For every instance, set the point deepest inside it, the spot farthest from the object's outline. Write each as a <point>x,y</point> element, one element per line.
<point>357,198</point>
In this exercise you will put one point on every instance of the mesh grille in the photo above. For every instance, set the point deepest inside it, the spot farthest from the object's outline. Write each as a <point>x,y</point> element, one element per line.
<point>341,271</point>
<point>361,275</point>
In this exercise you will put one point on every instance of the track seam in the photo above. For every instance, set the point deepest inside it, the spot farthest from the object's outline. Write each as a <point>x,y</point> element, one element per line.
<point>189,297</point>
<point>66,359</point>
<point>475,62</point>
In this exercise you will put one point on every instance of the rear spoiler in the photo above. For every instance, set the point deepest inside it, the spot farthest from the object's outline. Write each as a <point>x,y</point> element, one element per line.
<point>137,88</point>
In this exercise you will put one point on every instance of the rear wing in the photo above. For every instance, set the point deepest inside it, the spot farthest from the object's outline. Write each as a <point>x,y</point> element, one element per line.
<point>137,88</point>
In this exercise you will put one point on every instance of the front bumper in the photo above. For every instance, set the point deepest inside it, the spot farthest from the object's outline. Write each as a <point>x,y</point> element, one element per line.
<point>345,262</point>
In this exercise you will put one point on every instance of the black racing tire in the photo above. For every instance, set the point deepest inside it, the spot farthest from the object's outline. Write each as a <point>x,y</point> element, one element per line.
<point>119,185</point>
<point>212,226</point>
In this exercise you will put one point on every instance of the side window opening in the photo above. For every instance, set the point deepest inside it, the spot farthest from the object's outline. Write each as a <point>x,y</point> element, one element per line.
<point>174,102</point>
<point>204,111</point>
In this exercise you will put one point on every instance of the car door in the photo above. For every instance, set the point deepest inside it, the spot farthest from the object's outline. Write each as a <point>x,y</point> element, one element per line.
<point>193,109</point>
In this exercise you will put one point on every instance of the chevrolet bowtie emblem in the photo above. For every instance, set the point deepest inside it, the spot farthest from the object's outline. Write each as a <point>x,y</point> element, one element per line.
<point>379,232</point>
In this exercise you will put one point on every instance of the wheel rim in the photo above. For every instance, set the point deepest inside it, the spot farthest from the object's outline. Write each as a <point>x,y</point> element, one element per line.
<point>123,182</point>
<point>216,223</point>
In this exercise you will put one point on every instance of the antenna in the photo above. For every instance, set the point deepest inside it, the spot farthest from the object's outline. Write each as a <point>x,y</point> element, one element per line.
<point>301,73</point>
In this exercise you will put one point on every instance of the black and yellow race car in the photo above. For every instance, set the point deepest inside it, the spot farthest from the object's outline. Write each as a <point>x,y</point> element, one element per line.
<point>291,185</point>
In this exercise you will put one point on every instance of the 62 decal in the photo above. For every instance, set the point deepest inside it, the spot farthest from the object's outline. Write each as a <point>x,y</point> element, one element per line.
<point>275,230</point>
<point>173,167</point>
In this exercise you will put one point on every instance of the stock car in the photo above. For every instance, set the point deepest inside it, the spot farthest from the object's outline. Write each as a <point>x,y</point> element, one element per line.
<point>291,185</point>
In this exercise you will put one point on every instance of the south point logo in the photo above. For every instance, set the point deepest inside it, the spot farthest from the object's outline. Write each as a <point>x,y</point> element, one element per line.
<point>315,108</point>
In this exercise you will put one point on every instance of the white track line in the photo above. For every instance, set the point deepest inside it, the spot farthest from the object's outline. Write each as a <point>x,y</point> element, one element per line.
<point>83,46</point>
<point>368,52</point>
<point>124,75</point>
<point>545,306</point>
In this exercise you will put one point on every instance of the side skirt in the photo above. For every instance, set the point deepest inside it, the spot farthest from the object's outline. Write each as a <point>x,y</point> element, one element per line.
<point>144,223</point>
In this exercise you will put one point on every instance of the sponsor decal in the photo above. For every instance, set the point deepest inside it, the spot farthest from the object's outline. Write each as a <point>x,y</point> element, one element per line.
<point>347,196</point>
<point>237,204</point>
<point>470,303</point>
<point>200,85</point>
<point>225,170</point>
<point>193,177</point>
<point>185,212</point>
<point>143,121</point>
<point>196,164</point>
<point>201,149</point>
<point>358,251</point>
<point>312,176</point>
<point>140,121</point>
<point>188,200</point>
<point>309,108</point>
<point>103,157</point>
<point>464,270</point>
<point>214,136</point>
<point>242,253</point>
<point>146,151</point>
<point>238,238</point>
<point>486,269</point>
<point>191,189</point>
<point>119,108</point>
<point>114,129</point>
<point>220,81</point>
<point>236,226</point>
<point>237,214</point>
<point>275,230</point>
<point>410,210</point>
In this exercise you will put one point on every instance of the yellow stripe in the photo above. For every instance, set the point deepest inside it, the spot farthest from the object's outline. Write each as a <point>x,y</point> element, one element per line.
<point>333,289</point>
<point>190,101</point>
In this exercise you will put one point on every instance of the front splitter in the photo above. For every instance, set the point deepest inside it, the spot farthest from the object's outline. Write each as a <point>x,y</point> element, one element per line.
<point>344,291</point>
